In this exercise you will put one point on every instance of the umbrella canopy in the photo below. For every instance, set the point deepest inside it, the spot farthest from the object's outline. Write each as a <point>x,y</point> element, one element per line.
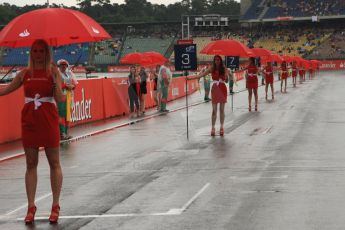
<point>261,52</point>
<point>277,58</point>
<point>155,58</point>
<point>134,58</point>
<point>227,48</point>
<point>298,59</point>
<point>57,26</point>
<point>315,63</point>
<point>287,58</point>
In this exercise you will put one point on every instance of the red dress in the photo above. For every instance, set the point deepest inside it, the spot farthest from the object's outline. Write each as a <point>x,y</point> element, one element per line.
<point>219,91</point>
<point>40,124</point>
<point>284,73</point>
<point>269,75</point>
<point>294,72</point>
<point>252,80</point>
<point>301,72</point>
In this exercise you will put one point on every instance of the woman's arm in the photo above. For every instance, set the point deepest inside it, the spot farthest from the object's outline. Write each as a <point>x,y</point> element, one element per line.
<point>15,84</point>
<point>200,75</point>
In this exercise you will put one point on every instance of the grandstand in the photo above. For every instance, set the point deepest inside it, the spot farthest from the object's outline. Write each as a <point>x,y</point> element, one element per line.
<point>266,10</point>
<point>72,53</point>
<point>141,44</point>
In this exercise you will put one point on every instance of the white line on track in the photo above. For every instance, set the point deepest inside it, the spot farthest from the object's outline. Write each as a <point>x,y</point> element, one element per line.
<point>12,156</point>
<point>171,212</point>
<point>267,130</point>
<point>25,205</point>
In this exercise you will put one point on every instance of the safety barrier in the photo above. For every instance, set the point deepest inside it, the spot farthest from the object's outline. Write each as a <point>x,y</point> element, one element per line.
<point>94,99</point>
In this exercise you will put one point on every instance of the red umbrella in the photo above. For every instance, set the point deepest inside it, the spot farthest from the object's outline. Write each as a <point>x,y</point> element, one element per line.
<point>227,48</point>
<point>315,63</point>
<point>277,58</point>
<point>307,64</point>
<point>155,58</point>
<point>135,58</point>
<point>298,59</point>
<point>287,58</point>
<point>261,52</point>
<point>57,26</point>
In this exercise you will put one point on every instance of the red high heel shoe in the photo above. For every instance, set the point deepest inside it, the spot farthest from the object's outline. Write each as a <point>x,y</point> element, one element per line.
<point>221,132</point>
<point>30,215</point>
<point>256,108</point>
<point>213,132</point>
<point>54,216</point>
<point>249,108</point>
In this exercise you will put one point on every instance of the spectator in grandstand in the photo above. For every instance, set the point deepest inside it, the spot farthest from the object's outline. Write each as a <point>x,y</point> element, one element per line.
<point>219,92</point>
<point>283,76</point>
<point>164,80</point>
<point>69,82</point>
<point>156,92</point>
<point>132,92</point>
<point>294,74</point>
<point>40,122</point>
<point>143,89</point>
<point>252,83</point>
<point>268,72</point>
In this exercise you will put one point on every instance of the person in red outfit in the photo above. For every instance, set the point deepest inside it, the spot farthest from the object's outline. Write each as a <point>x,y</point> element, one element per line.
<point>283,76</point>
<point>219,92</point>
<point>301,73</point>
<point>40,122</point>
<point>294,74</point>
<point>252,83</point>
<point>268,71</point>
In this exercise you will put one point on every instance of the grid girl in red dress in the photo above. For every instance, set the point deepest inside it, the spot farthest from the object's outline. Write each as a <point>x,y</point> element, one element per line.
<point>40,122</point>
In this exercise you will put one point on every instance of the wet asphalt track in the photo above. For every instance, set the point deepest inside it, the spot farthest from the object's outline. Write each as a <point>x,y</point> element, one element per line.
<point>280,168</point>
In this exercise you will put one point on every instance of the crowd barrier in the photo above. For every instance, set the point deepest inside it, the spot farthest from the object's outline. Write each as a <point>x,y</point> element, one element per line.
<point>94,99</point>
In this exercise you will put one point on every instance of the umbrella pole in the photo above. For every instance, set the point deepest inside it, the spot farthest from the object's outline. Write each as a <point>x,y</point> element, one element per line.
<point>8,73</point>
<point>187,108</point>
<point>232,102</point>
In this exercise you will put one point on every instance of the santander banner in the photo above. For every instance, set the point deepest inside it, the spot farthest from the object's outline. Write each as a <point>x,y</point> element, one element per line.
<point>94,100</point>
<point>333,65</point>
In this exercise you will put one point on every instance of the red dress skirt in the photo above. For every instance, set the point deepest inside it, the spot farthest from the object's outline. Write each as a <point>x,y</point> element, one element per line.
<point>294,72</point>
<point>252,79</point>
<point>284,73</point>
<point>40,124</point>
<point>269,75</point>
<point>301,72</point>
<point>219,92</point>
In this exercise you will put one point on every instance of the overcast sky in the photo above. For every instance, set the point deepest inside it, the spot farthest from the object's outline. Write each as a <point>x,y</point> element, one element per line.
<point>73,2</point>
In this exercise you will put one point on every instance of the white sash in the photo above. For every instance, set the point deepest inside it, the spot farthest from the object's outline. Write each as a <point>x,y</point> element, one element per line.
<point>38,100</point>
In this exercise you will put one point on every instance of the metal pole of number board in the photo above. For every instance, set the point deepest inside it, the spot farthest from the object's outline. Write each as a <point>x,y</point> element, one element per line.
<point>232,102</point>
<point>187,108</point>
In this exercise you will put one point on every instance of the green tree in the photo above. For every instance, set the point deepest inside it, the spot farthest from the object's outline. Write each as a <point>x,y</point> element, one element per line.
<point>199,6</point>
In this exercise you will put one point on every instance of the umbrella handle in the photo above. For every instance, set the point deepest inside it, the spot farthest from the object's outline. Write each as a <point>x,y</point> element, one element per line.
<point>7,73</point>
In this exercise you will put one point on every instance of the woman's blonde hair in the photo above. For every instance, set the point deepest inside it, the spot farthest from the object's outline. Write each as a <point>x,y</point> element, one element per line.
<point>47,59</point>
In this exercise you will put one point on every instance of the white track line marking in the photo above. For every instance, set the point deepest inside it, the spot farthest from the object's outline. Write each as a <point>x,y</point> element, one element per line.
<point>171,212</point>
<point>265,177</point>
<point>186,206</point>
<point>25,206</point>
<point>267,130</point>
<point>12,156</point>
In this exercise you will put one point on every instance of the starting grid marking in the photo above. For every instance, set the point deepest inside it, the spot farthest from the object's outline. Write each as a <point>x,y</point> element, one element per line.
<point>171,212</point>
